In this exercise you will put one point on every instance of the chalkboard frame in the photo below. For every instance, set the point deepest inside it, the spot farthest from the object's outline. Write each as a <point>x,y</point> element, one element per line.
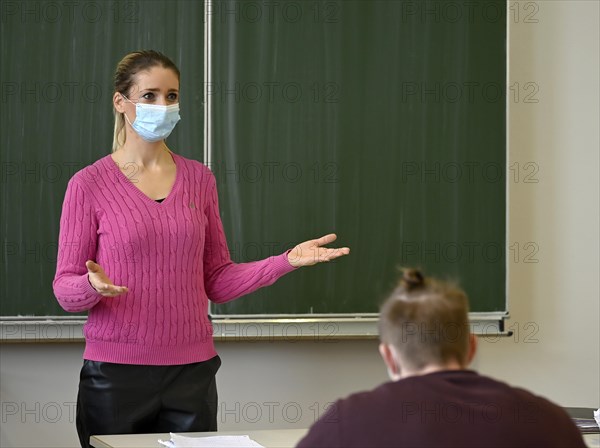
<point>69,328</point>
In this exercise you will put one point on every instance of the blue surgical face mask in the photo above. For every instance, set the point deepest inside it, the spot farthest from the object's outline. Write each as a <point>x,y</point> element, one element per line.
<point>154,122</point>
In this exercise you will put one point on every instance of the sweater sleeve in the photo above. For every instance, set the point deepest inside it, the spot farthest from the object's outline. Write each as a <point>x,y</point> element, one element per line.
<point>76,245</point>
<point>223,279</point>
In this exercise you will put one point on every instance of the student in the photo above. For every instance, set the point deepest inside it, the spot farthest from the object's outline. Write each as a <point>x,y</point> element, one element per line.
<point>142,249</point>
<point>433,400</point>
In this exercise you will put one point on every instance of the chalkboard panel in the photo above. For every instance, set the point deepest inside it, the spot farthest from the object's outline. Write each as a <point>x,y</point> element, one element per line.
<point>374,119</point>
<point>58,60</point>
<point>381,121</point>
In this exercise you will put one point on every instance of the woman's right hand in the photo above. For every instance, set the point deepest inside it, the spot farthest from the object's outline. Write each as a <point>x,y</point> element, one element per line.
<point>100,281</point>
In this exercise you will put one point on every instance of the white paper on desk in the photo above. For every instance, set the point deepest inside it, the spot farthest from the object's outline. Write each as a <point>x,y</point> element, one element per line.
<point>178,441</point>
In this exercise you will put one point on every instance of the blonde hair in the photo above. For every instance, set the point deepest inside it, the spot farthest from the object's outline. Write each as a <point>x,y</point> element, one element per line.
<point>124,78</point>
<point>119,135</point>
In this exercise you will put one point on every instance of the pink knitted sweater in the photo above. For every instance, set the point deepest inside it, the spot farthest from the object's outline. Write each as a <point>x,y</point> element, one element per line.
<point>172,256</point>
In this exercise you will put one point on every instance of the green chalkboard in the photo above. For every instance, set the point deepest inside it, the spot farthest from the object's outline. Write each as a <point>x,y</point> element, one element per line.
<point>382,121</point>
<point>58,59</point>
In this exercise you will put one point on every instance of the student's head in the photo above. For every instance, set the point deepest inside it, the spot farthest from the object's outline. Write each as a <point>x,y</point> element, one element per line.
<point>146,77</point>
<point>424,326</point>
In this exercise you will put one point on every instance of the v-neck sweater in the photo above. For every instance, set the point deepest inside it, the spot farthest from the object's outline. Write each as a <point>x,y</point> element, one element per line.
<point>171,255</point>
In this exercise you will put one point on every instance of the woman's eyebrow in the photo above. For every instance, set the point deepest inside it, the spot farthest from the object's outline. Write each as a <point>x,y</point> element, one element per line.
<point>154,89</point>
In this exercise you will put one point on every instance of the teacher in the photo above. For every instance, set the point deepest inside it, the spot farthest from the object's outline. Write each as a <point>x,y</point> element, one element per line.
<point>142,249</point>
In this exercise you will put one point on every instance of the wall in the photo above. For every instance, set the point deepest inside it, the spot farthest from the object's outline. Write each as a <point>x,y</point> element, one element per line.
<point>554,303</point>
<point>558,296</point>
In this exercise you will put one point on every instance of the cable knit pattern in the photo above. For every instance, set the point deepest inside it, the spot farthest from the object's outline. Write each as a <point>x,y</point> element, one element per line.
<point>172,256</point>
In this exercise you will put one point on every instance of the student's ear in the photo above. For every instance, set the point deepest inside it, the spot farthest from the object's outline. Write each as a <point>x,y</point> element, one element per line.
<point>472,348</point>
<point>388,358</point>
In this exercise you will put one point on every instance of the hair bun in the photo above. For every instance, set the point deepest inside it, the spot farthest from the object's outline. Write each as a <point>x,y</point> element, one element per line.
<point>412,279</point>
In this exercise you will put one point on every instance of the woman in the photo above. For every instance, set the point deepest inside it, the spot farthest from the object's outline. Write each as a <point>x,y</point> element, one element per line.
<point>142,249</point>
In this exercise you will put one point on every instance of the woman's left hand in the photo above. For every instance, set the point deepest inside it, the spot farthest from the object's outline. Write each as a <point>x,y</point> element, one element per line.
<point>312,252</point>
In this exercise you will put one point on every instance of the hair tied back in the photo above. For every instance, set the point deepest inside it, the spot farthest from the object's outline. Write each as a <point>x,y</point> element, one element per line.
<point>412,279</point>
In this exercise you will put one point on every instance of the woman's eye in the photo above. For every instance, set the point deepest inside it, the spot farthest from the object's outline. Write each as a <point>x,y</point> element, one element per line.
<point>173,97</point>
<point>148,96</point>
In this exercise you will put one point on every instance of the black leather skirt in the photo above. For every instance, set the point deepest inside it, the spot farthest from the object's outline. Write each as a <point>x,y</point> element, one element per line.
<point>133,399</point>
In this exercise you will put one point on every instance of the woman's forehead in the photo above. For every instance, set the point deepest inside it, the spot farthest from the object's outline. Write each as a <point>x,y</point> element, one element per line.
<point>157,78</point>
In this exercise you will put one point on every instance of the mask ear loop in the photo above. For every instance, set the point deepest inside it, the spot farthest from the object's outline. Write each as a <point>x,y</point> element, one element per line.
<point>126,117</point>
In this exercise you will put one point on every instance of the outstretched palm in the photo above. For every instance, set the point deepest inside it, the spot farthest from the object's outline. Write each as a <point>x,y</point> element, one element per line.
<point>100,281</point>
<point>312,252</point>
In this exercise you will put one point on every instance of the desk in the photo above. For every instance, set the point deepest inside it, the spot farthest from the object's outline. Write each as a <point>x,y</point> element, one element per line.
<point>270,438</point>
<point>592,440</point>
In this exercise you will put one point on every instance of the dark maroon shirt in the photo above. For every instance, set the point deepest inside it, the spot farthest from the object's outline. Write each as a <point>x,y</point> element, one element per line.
<point>453,408</point>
